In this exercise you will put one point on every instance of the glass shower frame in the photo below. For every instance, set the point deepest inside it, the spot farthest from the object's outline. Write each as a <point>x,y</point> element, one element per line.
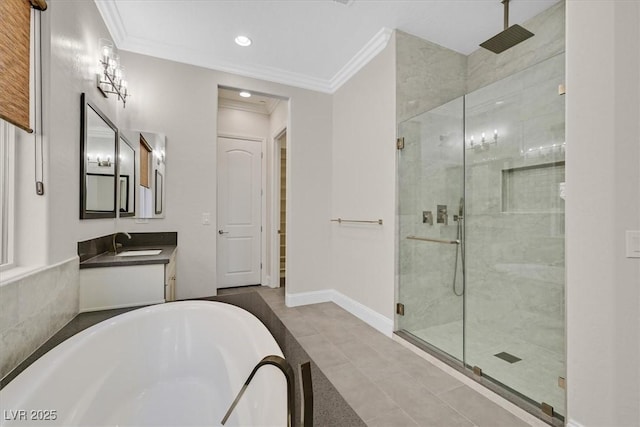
<point>508,149</point>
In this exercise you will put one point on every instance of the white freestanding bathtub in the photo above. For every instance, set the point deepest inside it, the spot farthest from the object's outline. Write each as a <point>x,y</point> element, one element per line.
<point>176,364</point>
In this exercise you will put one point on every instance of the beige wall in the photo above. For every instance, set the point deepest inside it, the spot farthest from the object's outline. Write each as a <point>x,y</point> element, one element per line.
<point>603,201</point>
<point>243,123</point>
<point>74,29</point>
<point>363,184</point>
<point>187,114</point>
<point>278,120</point>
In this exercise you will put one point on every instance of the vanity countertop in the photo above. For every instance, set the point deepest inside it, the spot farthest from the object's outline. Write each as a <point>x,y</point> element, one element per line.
<point>109,259</point>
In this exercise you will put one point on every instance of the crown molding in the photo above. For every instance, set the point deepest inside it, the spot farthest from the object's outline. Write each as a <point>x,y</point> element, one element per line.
<point>266,109</point>
<point>192,57</point>
<point>243,106</point>
<point>362,58</point>
<point>113,20</point>
<point>111,16</point>
<point>272,104</point>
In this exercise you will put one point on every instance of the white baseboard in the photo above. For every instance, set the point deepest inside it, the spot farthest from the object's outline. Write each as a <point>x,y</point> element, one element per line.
<point>306,298</point>
<point>372,318</point>
<point>573,423</point>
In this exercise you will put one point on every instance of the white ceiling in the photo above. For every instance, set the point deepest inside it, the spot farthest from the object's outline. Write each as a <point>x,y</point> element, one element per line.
<point>315,44</point>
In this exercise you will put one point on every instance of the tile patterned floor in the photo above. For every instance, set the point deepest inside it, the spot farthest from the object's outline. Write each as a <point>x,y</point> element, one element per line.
<point>535,376</point>
<point>385,383</point>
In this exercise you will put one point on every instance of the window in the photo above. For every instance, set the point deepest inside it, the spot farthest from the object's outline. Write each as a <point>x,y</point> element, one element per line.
<point>7,184</point>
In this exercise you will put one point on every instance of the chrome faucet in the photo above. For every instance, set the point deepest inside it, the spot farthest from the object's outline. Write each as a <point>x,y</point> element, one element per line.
<point>117,245</point>
<point>286,369</point>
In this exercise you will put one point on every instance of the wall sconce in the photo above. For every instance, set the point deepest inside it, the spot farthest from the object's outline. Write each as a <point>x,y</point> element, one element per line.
<point>544,150</point>
<point>110,72</point>
<point>484,141</point>
<point>159,156</point>
<point>102,163</point>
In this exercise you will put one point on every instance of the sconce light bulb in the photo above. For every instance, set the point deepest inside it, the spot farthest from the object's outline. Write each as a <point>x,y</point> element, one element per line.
<point>243,41</point>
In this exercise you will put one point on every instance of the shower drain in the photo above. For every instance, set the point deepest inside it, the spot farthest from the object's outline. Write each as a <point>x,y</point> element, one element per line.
<point>507,357</point>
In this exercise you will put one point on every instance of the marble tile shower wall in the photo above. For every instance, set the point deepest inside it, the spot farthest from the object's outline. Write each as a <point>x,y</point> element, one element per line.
<point>427,75</point>
<point>33,309</point>
<point>515,215</point>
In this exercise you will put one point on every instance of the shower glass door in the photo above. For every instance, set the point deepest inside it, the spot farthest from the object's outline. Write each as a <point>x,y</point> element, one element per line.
<point>481,232</point>
<point>514,318</point>
<point>431,178</point>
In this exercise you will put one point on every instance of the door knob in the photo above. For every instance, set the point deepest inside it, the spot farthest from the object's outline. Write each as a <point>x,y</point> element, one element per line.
<point>222,232</point>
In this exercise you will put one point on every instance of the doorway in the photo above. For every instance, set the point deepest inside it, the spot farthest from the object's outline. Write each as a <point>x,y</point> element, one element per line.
<point>260,120</point>
<point>239,212</point>
<point>281,148</point>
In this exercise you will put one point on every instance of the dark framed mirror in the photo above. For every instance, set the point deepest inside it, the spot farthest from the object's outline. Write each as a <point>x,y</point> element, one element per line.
<point>98,159</point>
<point>126,177</point>
<point>158,193</point>
<point>150,172</point>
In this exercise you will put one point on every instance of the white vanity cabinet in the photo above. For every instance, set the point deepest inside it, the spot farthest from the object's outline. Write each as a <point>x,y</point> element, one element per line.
<point>109,287</point>
<point>170,279</point>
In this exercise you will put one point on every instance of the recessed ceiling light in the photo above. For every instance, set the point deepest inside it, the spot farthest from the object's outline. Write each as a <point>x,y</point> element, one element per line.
<point>243,41</point>
<point>245,94</point>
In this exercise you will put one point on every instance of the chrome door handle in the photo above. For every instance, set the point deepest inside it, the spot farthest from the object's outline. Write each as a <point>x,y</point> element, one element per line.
<point>222,232</point>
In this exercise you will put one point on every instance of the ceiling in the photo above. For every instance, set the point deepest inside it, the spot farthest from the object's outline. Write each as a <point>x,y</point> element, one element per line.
<point>256,103</point>
<point>314,44</point>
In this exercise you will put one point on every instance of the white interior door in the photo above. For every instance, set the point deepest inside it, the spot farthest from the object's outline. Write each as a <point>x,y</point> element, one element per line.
<point>239,212</point>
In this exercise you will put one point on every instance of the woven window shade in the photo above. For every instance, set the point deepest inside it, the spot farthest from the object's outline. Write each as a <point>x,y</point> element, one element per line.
<point>145,154</point>
<point>15,25</point>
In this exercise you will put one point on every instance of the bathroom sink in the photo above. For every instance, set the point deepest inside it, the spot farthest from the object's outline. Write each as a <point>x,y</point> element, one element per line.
<point>140,252</point>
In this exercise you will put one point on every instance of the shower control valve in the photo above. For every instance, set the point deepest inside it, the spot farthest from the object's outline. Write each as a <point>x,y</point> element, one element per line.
<point>427,217</point>
<point>442,215</point>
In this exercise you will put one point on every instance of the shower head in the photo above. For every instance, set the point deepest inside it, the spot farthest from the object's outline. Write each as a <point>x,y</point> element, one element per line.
<point>511,36</point>
<point>507,39</point>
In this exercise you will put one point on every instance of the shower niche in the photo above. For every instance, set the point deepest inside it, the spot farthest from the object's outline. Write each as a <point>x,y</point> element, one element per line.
<point>484,290</point>
<point>534,188</point>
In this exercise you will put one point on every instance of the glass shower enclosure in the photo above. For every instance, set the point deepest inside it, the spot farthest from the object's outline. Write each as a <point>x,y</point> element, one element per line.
<point>481,233</point>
